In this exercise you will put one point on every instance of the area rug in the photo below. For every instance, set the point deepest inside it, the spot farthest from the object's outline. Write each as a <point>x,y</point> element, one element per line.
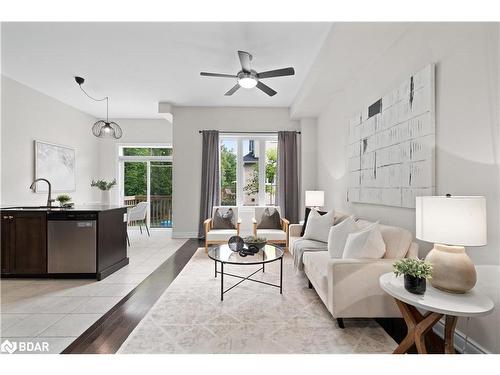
<point>253,318</point>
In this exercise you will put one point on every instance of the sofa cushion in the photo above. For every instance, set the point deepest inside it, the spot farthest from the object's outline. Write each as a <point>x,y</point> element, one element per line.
<point>272,234</point>
<point>397,240</point>
<point>306,216</point>
<point>318,226</point>
<point>220,234</point>
<point>270,219</point>
<point>223,219</point>
<point>316,269</point>
<point>338,236</point>
<point>365,244</point>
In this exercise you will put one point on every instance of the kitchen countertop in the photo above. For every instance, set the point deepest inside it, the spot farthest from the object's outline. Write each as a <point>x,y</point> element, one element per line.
<point>80,208</point>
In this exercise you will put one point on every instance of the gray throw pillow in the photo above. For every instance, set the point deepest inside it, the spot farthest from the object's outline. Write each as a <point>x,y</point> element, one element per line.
<point>223,220</point>
<point>270,219</point>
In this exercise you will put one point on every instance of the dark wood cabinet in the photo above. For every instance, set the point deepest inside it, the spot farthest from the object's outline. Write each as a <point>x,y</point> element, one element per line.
<point>24,243</point>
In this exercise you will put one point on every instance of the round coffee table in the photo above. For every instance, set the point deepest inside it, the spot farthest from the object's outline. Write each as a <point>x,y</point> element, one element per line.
<point>224,255</point>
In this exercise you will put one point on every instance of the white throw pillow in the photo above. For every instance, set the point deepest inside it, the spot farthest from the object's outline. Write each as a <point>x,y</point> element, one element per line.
<point>318,227</point>
<point>367,243</point>
<point>338,236</point>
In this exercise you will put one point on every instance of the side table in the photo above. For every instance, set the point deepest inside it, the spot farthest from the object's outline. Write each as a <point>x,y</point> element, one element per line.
<point>438,304</point>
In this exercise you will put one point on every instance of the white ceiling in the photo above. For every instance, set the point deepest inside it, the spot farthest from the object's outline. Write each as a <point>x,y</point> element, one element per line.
<point>140,64</point>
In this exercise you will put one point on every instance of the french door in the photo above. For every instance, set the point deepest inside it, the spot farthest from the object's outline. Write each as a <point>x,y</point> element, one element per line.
<point>148,179</point>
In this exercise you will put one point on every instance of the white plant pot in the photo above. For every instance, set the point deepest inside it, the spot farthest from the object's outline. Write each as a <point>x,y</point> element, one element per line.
<point>105,197</point>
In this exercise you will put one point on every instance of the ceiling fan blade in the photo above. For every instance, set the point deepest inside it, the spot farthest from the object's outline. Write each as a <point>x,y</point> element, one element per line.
<point>269,91</point>
<point>277,73</point>
<point>218,75</point>
<point>245,59</point>
<point>232,90</point>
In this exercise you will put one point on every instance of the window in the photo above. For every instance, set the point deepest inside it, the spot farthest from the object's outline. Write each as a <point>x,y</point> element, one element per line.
<point>248,170</point>
<point>146,176</point>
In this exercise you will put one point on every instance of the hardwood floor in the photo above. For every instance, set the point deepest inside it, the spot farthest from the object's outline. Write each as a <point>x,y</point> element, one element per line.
<point>107,334</point>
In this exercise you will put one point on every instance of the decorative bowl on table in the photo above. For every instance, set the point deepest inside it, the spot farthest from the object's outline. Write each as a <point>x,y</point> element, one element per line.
<point>255,243</point>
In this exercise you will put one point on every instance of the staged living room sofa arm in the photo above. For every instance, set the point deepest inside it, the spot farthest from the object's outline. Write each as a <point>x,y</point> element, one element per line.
<point>294,230</point>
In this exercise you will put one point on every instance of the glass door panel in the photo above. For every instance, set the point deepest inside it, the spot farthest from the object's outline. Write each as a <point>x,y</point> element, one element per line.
<point>161,194</point>
<point>135,183</point>
<point>228,157</point>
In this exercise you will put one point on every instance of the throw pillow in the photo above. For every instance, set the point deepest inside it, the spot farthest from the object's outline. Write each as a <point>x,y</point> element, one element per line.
<point>223,220</point>
<point>366,243</point>
<point>338,236</point>
<point>270,219</point>
<point>308,211</point>
<point>318,226</point>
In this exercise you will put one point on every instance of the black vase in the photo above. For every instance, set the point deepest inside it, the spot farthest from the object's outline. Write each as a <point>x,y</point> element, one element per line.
<point>415,285</point>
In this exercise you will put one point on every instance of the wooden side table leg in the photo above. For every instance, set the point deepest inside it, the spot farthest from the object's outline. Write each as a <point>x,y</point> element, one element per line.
<point>449,331</point>
<point>411,322</point>
<point>422,328</point>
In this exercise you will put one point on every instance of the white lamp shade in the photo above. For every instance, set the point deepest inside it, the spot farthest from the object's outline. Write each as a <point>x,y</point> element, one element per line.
<point>315,198</point>
<point>451,220</point>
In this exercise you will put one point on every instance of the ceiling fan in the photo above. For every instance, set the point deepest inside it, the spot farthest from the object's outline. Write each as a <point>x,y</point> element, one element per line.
<point>249,78</point>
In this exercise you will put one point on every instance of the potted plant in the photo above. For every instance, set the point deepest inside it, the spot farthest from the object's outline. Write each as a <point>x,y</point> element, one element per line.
<point>63,200</point>
<point>105,187</point>
<point>255,242</point>
<point>416,272</point>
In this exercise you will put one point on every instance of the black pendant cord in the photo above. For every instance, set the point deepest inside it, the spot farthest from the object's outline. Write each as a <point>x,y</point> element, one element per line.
<point>98,100</point>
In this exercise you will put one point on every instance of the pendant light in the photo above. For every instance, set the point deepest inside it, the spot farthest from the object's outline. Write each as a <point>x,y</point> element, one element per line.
<point>102,129</point>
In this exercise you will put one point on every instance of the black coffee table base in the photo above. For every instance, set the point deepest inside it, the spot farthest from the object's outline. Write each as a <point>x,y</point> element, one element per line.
<point>222,274</point>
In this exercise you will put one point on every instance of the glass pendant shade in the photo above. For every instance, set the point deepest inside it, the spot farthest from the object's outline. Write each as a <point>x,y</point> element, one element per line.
<point>105,129</point>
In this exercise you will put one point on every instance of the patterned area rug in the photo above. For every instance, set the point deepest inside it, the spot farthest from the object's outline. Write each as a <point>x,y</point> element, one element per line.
<point>253,318</point>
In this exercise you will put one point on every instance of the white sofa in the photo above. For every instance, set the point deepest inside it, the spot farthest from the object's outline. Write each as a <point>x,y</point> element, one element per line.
<point>349,288</point>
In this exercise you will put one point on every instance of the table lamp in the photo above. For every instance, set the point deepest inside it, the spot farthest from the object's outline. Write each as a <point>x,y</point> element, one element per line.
<point>451,223</point>
<point>315,198</point>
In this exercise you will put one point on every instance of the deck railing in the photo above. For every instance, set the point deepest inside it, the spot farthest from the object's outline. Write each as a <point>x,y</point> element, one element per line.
<point>160,209</point>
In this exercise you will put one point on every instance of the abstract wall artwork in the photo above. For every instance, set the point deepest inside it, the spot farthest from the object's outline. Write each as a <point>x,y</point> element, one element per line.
<point>391,145</point>
<point>55,163</point>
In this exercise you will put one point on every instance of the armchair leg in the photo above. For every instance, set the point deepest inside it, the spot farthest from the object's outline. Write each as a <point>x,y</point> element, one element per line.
<point>147,229</point>
<point>340,322</point>
<point>128,239</point>
<point>206,246</point>
<point>140,227</point>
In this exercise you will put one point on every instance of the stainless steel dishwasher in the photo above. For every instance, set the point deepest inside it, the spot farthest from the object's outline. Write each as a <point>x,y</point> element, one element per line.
<point>71,242</point>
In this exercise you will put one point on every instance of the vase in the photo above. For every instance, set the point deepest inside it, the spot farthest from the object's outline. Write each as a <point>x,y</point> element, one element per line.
<point>105,197</point>
<point>415,285</point>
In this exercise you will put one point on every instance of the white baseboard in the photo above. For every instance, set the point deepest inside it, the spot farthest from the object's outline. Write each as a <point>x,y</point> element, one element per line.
<point>459,340</point>
<point>182,235</point>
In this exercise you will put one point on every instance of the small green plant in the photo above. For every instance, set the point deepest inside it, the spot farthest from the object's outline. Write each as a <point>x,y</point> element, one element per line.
<point>63,199</point>
<point>253,239</point>
<point>103,184</point>
<point>413,267</point>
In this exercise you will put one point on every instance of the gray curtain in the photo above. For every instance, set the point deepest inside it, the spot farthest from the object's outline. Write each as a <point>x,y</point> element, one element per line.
<point>288,175</point>
<point>210,193</point>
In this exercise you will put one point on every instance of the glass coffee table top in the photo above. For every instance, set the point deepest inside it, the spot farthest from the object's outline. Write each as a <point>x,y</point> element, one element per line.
<point>223,253</point>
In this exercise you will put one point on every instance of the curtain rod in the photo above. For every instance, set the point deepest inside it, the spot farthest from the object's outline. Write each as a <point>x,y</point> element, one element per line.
<point>249,132</point>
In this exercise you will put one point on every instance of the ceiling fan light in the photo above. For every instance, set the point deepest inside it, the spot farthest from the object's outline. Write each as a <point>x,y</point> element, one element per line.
<point>247,82</point>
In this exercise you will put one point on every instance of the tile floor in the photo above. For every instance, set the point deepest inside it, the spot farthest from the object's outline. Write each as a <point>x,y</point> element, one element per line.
<point>58,311</point>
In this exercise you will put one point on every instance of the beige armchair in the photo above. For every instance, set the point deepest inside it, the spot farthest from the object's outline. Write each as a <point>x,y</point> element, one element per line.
<point>219,236</point>
<point>277,236</point>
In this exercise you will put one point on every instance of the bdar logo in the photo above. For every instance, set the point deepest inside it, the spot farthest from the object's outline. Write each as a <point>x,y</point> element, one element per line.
<point>8,347</point>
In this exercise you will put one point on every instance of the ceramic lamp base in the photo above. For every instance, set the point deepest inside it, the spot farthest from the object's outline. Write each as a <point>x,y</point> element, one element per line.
<point>452,269</point>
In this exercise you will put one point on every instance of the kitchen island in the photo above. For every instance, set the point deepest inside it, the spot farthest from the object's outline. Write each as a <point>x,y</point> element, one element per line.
<point>80,242</point>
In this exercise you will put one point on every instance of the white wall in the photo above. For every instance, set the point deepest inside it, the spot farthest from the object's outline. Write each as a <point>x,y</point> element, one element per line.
<point>187,151</point>
<point>29,115</point>
<point>308,159</point>
<point>467,138</point>
<point>135,132</point>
